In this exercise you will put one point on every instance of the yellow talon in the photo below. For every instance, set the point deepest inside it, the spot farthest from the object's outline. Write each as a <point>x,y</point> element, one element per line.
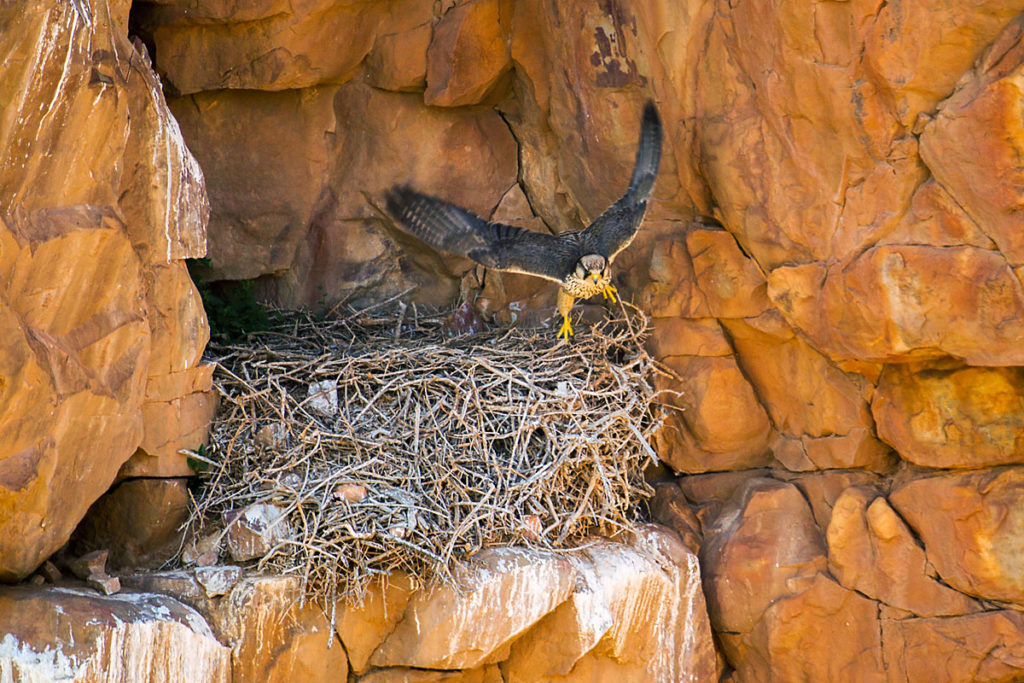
<point>566,328</point>
<point>609,292</point>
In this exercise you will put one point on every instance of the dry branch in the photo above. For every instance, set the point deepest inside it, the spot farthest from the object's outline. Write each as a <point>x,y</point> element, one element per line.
<point>435,448</point>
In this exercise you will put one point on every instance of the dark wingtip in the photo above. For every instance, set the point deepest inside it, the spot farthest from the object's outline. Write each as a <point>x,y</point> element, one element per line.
<point>651,117</point>
<point>397,198</point>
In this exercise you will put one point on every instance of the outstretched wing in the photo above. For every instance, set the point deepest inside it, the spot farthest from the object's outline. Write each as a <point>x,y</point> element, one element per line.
<point>503,247</point>
<point>615,228</point>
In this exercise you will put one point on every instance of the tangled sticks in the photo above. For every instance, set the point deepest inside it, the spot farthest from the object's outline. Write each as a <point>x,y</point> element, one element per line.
<point>390,447</point>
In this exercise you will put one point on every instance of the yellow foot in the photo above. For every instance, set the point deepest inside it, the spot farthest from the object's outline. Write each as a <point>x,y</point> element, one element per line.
<point>609,292</point>
<point>566,328</point>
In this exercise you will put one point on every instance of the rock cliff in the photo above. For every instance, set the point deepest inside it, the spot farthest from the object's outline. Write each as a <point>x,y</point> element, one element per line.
<point>849,342</point>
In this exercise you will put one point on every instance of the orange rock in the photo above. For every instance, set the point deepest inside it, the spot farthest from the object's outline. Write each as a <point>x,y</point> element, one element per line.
<point>264,47</point>
<point>100,198</point>
<point>468,157</point>
<point>763,546</point>
<point>669,507</point>
<point>871,551</point>
<point>499,594</point>
<point>673,291</point>
<point>985,175</point>
<point>271,636</point>
<point>264,156</point>
<point>75,634</point>
<point>935,218</point>
<point>807,397</point>
<point>468,53</point>
<point>139,521</point>
<point>787,643</point>
<point>485,674</point>
<point>731,283</point>
<point>364,625</point>
<point>917,53</point>
<point>722,425</point>
<point>969,523</point>
<point>398,61</point>
<point>965,417</point>
<point>823,489</point>
<point>686,337</point>
<point>906,302</point>
<point>168,427</point>
<point>976,647</point>
<point>638,606</point>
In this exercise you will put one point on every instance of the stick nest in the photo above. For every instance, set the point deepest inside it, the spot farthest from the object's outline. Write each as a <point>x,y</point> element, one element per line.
<point>435,448</point>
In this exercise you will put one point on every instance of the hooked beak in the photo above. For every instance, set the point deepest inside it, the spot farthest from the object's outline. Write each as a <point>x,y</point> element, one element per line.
<point>595,277</point>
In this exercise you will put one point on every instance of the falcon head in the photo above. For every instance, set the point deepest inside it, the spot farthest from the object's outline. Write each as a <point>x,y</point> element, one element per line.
<point>592,266</point>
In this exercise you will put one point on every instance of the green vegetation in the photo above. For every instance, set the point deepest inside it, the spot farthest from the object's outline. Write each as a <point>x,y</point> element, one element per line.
<point>231,306</point>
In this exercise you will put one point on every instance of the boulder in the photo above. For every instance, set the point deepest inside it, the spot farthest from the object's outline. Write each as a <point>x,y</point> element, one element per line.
<point>75,635</point>
<point>139,520</point>
<point>364,625</point>
<point>970,524</point>
<point>763,546</point>
<point>821,411</point>
<point>636,609</point>
<point>908,302</point>
<point>468,53</point>
<point>976,647</point>
<point>270,633</point>
<point>985,176</point>
<point>871,551</point>
<point>958,417</point>
<point>498,594</point>
<point>264,155</point>
<point>101,200</point>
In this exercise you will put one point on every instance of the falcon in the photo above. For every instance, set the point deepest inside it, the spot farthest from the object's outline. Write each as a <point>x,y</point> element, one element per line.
<point>579,260</point>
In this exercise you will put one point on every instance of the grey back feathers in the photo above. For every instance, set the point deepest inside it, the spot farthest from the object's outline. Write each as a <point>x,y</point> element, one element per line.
<point>506,247</point>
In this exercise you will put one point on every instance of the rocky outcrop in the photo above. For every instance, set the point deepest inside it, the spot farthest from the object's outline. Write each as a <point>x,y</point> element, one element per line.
<point>632,610</point>
<point>102,329</point>
<point>852,326</point>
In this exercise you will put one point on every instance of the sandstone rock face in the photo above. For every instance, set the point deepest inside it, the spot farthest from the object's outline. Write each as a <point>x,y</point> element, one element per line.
<point>100,202</point>
<point>269,636</point>
<point>971,527</point>
<point>75,635</point>
<point>871,550</point>
<point>965,417</point>
<point>858,308</point>
<point>463,626</point>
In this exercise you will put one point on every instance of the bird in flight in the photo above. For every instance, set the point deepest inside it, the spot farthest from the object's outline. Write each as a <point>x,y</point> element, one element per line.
<point>579,260</point>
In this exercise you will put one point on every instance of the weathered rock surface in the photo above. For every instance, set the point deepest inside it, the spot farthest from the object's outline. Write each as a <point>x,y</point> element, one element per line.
<point>763,546</point>
<point>76,635</point>
<point>139,522</point>
<point>971,525</point>
<point>470,623</point>
<point>871,550</point>
<point>270,635</point>
<point>976,647</point>
<point>961,417</point>
<point>636,614</point>
<point>100,201</point>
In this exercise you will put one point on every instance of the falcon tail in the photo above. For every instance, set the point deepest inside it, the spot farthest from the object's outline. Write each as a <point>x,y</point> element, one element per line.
<point>648,154</point>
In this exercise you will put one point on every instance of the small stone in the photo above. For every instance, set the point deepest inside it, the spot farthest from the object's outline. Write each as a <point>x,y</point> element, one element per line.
<point>531,527</point>
<point>50,571</point>
<point>89,565</point>
<point>255,530</point>
<point>353,493</point>
<point>217,580</point>
<point>37,580</point>
<point>323,397</point>
<point>207,559</point>
<point>108,585</point>
<point>271,435</point>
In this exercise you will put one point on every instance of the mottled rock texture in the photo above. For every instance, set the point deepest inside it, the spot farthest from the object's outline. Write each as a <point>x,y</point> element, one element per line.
<point>102,330</point>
